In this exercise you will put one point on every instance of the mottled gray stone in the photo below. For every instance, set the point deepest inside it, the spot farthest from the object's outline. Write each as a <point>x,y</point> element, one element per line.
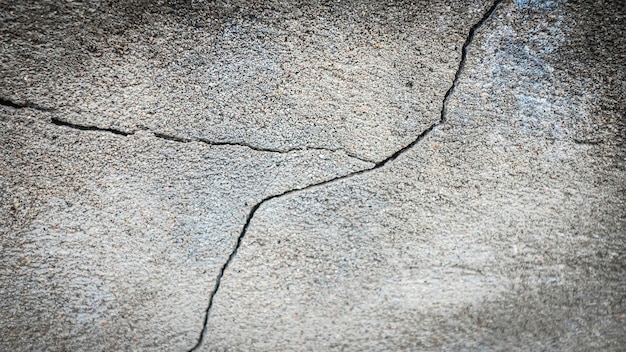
<point>176,125</point>
<point>502,230</point>
<point>114,243</point>
<point>359,76</point>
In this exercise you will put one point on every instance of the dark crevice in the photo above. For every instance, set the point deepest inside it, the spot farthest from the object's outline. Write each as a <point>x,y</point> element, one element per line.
<point>59,122</point>
<point>378,165</point>
<point>282,151</point>
<point>172,138</point>
<point>293,190</point>
<point>419,138</point>
<point>12,104</point>
<point>588,141</point>
<point>178,139</point>
<point>459,71</point>
<point>250,146</point>
<point>88,127</point>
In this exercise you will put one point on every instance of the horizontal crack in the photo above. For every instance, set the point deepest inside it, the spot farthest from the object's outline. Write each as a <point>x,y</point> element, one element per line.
<point>12,104</point>
<point>177,139</point>
<point>173,138</point>
<point>250,146</point>
<point>87,127</point>
<point>378,165</point>
<point>59,122</point>
<point>587,141</point>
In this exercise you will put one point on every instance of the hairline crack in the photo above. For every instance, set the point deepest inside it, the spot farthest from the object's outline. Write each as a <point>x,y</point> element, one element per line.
<point>60,122</point>
<point>443,118</point>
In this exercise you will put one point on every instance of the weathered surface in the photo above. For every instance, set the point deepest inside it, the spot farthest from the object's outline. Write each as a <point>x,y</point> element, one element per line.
<point>502,228</point>
<point>362,77</point>
<point>113,242</point>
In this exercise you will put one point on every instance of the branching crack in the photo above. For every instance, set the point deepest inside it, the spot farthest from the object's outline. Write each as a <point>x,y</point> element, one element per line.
<point>392,157</point>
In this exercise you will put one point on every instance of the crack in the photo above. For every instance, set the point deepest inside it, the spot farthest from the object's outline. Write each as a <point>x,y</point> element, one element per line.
<point>27,105</point>
<point>459,71</point>
<point>58,122</point>
<point>273,150</point>
<point>466,268</point>
<point>178,139</point>
<point>588,141</point>
<point>392,157</point>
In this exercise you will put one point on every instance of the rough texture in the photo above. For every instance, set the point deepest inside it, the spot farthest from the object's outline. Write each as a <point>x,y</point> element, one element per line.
<point>150,148</point>
<point>113,243</point>
<point>504,230</point>
<point>359,76</point>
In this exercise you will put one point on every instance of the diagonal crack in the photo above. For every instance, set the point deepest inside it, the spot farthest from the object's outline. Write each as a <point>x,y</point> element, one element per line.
<point>392,157</point>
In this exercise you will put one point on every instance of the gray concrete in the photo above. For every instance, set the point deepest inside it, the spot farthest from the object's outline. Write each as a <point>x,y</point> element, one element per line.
<point>364,78</point>
<point>113,242</point>
<point>160,157</point>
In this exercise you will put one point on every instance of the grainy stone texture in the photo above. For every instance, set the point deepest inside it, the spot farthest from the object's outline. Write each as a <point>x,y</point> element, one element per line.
<point>503,229</point>
<point>114,243</point>
<point>359,76</point>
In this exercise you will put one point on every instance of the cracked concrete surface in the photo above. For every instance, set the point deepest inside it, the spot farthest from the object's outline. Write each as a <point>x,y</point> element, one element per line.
<point>103,233</point>
<point>150,149</point>
<point>362,77</point>
<point>173,138</point>
<point>499,232</point>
